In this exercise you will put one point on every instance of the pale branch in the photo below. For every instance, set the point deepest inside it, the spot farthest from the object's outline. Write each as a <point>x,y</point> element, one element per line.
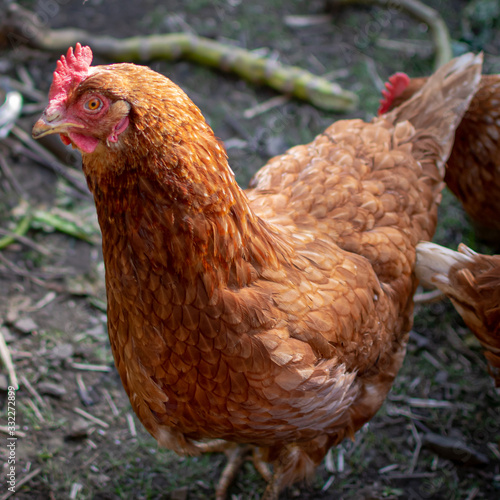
<point>290,80</point>
<point>439,31</point>
<point>7,361</point>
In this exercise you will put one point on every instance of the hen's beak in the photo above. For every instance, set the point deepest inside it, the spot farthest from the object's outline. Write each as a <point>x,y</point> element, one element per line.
<point>52,123</point>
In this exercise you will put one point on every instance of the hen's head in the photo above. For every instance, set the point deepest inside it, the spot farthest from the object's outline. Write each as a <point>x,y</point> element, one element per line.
<point>83,115</point>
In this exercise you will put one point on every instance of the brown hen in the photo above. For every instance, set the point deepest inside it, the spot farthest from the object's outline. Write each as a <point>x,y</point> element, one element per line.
<point>472,282</point>
<point>473,169</point>
<point>275,318</point>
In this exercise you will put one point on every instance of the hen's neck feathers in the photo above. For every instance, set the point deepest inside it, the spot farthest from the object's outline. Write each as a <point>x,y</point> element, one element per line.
<point>168,191</point>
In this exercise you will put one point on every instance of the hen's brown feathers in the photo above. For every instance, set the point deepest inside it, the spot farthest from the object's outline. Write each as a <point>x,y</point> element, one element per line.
<point>277,316</point>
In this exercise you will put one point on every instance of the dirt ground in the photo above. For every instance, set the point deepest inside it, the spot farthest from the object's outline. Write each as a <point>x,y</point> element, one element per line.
<point>437,435</point>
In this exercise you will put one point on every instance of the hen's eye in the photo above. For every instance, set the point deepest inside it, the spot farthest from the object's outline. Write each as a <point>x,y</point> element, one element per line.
<point>93,104</point>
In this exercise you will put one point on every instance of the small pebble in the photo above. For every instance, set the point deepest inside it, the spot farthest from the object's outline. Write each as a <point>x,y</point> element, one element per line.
<point>79,429</point>
<point>26,325</point>
<point>62,351</point>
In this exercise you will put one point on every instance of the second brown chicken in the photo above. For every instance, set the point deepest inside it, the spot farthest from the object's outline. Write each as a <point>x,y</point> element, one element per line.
<point>473,169</point>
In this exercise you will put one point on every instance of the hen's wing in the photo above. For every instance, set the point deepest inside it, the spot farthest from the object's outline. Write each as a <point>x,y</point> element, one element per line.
<point>472,282</point>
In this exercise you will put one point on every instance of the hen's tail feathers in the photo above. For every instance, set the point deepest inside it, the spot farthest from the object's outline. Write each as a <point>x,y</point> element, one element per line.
<point>434,263</point>
<point>472,282</point>
<point>437,109</point>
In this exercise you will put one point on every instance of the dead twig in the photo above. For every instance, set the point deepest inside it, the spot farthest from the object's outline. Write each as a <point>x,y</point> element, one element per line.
<point>83,391</point>
<point>7,361</point>
<point>404,412</point>
<point>428,403</point>
<point>329,462</point>
<point>494,449</point>
<point>328,483</point>
<point>432,360</point>
<point>46,299</point>
<point>306,21</point>
<point>36,410</point>
<point>265,106</point>
<point>418,447</point>
<point>435,404</point>
<point>388,468</point>
<point>340,460</point>
<point>91,444</point>
<point>9,175</point>
<point>90,460</point>
<point>90,417</point>
<point>131,424</point>
<point>75,490</point>
<point>91,368</point>
<point>32,391</point>
<point>79,188</point>
<point>7,430</point>
<point>111,403</point>
<point>29,275</point>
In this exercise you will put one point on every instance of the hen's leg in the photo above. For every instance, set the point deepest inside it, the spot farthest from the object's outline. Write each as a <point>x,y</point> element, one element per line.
<point>236,455</point>
<point>261,466</point>
<point>273,486</point>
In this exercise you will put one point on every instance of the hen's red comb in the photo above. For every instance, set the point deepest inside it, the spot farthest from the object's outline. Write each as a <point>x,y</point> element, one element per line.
<point>70,71</point>
<point>393,88</point>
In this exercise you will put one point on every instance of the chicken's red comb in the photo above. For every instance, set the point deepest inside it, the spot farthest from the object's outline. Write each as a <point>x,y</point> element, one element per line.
<point>70,70</point>
<point>393,88</point>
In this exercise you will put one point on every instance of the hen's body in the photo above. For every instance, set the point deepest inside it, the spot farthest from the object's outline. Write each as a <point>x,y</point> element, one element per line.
<point>473,169</point>
<point>277,317</point>
<point>472,282</point>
